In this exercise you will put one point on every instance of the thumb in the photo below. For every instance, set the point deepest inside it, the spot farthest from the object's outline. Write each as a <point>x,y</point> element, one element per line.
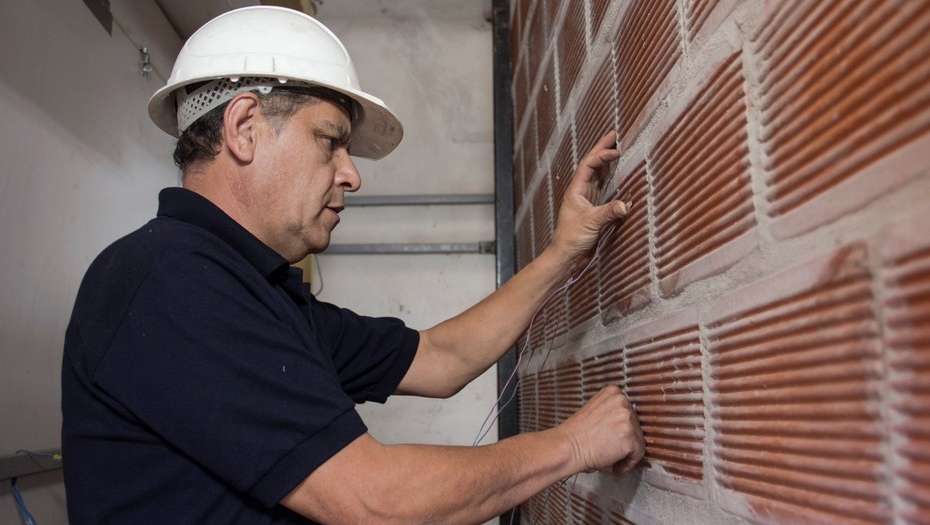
<point>611,211</point>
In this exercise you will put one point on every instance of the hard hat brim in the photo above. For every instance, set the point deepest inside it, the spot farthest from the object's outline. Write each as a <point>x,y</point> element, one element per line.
<point>375,133</point>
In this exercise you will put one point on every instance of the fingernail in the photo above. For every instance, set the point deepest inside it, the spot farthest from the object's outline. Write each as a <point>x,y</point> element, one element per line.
<point>620,208</point>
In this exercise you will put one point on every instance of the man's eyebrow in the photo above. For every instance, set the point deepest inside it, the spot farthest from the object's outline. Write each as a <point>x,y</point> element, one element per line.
<point>341,132</point>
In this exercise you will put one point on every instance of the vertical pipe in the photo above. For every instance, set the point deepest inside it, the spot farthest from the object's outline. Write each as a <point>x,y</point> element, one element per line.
<point>507,424</point>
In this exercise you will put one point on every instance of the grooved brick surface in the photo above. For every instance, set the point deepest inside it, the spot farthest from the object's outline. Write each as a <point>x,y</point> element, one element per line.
<point>595,115</point>
<point>546,399</point>
<point>572,49</point>
<point>561,172</point>
<point>542,218</point>
<point>536,42</point>
<point>528,150</point>
<point>598,12</point>
<point>518,188</point>
<point>527,402</point>
<point>556,316</point>
<point>600,371</point>
<point>623,267</point>
<point>545,106</point>
<point>795,375</point>
<point>568,386</point>
<point>646,49</point>
<point>906,277</point>
<point>663,381</point>
<point>703,197</point>
<point>765,304</point>
<point>585,511</point>
<point>521,93</point>
<point>524,242</point>
<point>698,11</point>
<point>844,84</point>
<point>582,296</point>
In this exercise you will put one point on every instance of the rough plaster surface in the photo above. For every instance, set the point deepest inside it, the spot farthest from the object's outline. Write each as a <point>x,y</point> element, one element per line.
<point>82,166</point>
<point>432,65</point>
<point>820,268</point>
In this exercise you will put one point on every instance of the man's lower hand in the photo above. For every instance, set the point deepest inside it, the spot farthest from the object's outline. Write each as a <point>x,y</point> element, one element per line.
<point>605,433</point>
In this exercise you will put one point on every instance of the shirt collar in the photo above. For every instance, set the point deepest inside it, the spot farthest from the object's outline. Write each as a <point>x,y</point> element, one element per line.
<point>190,207</point>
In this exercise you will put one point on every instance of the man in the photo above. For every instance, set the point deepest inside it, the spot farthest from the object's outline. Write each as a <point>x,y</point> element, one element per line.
<point>202,383</point>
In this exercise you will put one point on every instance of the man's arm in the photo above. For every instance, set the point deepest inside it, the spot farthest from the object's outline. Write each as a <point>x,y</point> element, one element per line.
<point>367,482</point>
<point>458,350</point>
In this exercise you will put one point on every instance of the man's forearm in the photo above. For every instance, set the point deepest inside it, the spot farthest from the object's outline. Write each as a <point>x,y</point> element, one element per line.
<point>436,484</point>
<point>478,337</point>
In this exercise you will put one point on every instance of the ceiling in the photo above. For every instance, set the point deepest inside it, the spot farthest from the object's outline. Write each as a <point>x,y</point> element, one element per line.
<point>187,16</point>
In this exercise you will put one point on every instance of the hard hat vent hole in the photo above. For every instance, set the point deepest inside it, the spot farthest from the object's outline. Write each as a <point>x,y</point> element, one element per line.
<point>203,99</point>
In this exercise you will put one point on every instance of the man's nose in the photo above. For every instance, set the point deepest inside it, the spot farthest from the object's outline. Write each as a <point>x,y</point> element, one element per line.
<point>347,175</point>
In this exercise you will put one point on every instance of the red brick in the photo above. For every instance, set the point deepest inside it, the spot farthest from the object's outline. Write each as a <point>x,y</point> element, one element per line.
<point>698,11</point>
<point>527,396</point>
<point>568,388</point>
<point>537,42</point>
<point>582,295</point>
<point>542,218</point>
<point>646,49</point>
<point>530,155</point>
<point>556,316</point>
<point>520,93</point>
<point>598,12</point>
<point>546,399</point>
<point>617,515</point>
<point>585,510</point>
<point>515,35</point>
<point>845,104</point>
<point>905,252</point>
<point>545,106</point>
<point>664,382</point>
<point>518,187</point>
<point>538,331</point>
<point>572,49</point>
<point>524,242</point>
<point>556,504</point>
<point>623,266</point>
<point>562,171</point>
<point>704,212</point>
<point>595,115</point>
<point>795,367</point>
<point>600,371</point>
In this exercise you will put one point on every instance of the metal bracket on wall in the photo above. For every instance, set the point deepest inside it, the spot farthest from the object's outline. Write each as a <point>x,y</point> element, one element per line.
<point>419,200</point>
<point>481,247</point>
<point>26,462</point>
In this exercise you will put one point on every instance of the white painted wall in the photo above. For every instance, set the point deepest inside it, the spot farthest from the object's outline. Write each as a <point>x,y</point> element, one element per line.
<point>431,63</point>
<point>81,166</point>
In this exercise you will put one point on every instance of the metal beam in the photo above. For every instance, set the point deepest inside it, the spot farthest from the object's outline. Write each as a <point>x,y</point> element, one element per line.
<point>419,200</point>
<point>24,463</point>
<point>508,422</point>
<point>482,247</point>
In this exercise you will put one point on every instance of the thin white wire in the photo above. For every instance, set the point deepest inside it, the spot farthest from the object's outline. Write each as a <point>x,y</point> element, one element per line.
<point>489,420</point>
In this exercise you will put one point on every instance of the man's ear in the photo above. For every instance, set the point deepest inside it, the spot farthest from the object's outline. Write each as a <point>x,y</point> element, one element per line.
<point>240,121</point>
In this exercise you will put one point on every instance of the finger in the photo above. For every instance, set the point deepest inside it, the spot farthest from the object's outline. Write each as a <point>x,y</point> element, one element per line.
<point>588,166</point>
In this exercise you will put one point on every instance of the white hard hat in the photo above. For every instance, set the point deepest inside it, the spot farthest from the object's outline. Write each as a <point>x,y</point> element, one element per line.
<point>258,48</point>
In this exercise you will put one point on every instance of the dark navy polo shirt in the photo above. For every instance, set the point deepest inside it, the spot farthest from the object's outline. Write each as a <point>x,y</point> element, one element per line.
<point>202,382</point>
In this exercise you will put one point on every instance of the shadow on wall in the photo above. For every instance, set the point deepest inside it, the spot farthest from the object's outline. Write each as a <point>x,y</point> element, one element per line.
<point>60,60</point>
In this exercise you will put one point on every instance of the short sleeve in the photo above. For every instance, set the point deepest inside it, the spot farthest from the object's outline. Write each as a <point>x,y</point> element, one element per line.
<point>371,354</point>
<point>202,359</point>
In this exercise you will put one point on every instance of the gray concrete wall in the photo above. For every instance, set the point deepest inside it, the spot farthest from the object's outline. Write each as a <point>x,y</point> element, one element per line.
<point>81,166</point>
<point>431,63</point>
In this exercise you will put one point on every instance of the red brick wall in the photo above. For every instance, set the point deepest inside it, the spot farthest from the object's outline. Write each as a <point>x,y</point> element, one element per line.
<point>766,303</point>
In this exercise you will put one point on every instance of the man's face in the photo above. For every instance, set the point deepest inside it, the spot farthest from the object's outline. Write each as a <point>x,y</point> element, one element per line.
<point>303,171</point>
